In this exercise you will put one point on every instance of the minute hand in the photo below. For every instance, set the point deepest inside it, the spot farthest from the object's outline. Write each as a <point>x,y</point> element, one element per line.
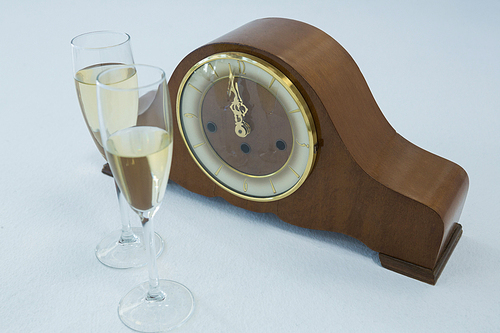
<point>239,109</point>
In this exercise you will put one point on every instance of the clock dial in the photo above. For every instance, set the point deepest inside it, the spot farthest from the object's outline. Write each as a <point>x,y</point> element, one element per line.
<point>247,126</point>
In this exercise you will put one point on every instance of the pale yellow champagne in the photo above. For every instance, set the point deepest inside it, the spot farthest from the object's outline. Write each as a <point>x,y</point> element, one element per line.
<point>140,159</point>
<point>85,81</point>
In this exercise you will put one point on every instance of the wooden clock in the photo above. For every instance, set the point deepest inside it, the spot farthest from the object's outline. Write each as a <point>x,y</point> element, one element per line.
<point>276,117</point>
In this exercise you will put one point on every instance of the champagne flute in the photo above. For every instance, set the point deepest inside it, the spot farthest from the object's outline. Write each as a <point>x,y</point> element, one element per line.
<point>136,130</point>
<point>93,53</point>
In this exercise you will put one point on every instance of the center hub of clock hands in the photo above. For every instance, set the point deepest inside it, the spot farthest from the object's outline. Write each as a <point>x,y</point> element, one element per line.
<point>241,128</point>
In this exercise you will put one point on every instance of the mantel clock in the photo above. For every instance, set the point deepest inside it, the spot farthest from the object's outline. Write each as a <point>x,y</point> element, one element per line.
<point>276,117</point>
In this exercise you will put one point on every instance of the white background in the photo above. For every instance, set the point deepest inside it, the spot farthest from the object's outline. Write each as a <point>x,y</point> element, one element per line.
<point>433,67</point>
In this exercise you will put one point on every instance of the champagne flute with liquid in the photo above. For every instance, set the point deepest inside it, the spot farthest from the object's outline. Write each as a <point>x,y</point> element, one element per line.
<point>136,130</point>
<point>93,53</point>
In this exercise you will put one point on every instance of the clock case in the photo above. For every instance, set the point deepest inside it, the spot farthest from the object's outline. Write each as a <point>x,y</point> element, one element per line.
<point>367,182</point>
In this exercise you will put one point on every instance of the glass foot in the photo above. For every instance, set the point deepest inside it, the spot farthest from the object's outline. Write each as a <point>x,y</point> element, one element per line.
<point>156,316</point>
<point>114,254</point>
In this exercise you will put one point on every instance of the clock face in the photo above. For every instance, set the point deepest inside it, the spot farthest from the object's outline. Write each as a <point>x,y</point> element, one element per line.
<point>247,126</point>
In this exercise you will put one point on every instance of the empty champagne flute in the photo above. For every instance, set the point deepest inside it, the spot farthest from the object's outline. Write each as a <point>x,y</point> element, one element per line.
<point>136,130</point>
<point>93,53</point>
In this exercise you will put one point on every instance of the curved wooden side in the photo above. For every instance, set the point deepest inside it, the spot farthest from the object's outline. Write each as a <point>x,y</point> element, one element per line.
<point>368,181</point>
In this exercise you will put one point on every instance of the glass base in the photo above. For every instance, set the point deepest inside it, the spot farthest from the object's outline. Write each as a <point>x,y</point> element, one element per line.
<point>156,316</point>
<point>114,254</point>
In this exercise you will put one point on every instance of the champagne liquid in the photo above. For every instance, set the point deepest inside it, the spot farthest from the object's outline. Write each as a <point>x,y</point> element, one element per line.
<point>85,82</point>
<point>140,159</point>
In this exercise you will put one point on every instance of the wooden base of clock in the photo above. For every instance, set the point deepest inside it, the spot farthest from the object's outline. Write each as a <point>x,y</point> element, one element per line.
<point>367,182</point>
<point>422,273</point>
<point>107,170</point>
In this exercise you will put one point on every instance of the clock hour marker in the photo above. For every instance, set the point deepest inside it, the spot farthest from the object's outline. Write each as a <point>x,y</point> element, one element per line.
<point>245,185</point>
<point>199,145</point>
<point>190,115</point>
<point>198,90</point>
<point>272,81</point>
<point>294,111</point>
<point>213,69</point>
<point>241,67</point>
<point>218,170</point>
<point>295,173</point>
<point>302,144</point>
<point>272,185</point>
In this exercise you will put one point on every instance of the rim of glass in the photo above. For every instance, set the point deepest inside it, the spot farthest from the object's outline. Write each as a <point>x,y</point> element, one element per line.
<point>126,35</point>
<point>116,67</point>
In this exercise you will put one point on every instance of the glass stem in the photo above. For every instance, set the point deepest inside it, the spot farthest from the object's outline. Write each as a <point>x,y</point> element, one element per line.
<point>127,235</point>
<point>154,292</point>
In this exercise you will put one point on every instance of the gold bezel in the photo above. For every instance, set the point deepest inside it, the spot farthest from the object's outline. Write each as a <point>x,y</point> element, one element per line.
<point>298,99</point>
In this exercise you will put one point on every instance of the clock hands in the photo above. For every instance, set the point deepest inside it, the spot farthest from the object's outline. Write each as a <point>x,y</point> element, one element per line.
<point>241,128</point>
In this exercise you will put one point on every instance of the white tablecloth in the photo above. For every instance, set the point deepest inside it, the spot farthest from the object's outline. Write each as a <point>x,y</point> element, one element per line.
<point>432,66</point>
